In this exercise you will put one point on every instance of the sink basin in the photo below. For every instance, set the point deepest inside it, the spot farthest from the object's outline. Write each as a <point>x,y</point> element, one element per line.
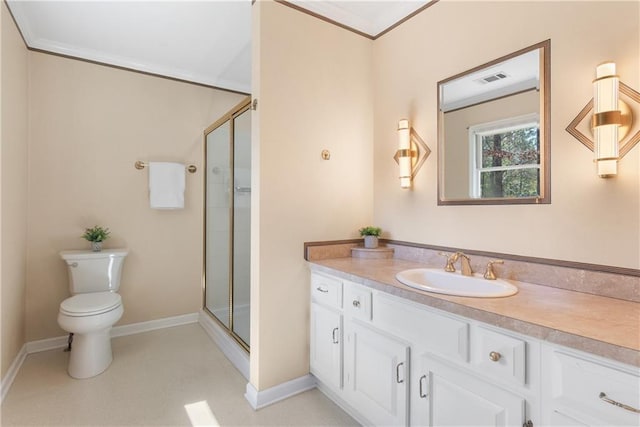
<point>442,282</point>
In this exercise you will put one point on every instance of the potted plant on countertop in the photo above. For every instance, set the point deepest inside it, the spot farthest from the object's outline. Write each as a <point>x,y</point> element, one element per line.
<point>370,234</point>
<point>96,235</point>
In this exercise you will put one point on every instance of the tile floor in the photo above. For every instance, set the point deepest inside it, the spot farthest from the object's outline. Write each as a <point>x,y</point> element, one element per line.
<point>169,377</point>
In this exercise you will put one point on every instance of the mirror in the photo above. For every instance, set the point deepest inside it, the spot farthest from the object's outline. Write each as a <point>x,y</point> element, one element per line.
<point>493,131</point>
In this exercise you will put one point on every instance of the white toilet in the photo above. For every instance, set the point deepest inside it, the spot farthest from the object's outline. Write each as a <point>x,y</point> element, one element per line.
<point>94,307</point>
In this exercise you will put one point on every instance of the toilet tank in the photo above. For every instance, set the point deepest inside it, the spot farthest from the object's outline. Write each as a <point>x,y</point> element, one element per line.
<point>94,271</point>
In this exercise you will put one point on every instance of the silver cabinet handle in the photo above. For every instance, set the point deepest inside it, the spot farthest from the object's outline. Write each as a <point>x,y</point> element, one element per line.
<point>618,404</point>
<point>334,335</point>
<point>422,379</point>
<point>324,291</point>
<point>494,356</point>
<point>73,265</point>
<point>356,303</point>
<point>398,380</point>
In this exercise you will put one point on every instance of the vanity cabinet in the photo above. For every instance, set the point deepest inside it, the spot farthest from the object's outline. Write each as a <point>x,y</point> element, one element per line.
<point>462,372</point>
<point>449,396</point>
<point>392,361</point>
<point>363,367</point>
<point>389,361</point>
<point>584,390</point>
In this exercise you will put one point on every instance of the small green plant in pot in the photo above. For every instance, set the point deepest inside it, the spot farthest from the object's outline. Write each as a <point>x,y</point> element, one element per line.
<point>96,235</point>
<point>370,234</point>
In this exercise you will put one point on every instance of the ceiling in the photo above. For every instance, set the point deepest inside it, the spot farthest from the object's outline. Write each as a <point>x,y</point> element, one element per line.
<point>206,42</point>
<point>516,74</point>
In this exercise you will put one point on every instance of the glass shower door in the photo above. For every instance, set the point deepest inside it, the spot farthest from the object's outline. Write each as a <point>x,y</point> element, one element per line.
<point>241,224</point>
<point>228,222</point>
<point>218,224</point>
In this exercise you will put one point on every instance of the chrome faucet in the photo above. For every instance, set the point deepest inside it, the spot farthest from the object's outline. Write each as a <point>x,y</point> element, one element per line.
<point>465,263</point>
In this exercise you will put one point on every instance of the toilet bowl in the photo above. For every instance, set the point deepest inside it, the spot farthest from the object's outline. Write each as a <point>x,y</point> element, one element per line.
<point>90,318</point>
<point>92,310</point>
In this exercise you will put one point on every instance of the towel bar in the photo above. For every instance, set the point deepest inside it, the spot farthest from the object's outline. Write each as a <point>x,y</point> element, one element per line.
<point>141,165</point>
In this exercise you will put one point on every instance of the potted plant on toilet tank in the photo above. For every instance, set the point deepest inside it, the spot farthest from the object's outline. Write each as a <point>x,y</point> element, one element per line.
<point>370,234</point>
<point>96,235</point>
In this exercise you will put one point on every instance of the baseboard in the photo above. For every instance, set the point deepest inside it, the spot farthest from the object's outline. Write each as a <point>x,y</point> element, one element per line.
<point>231,349</point>
<point>260,399</point>
<point>60,342</point>
<point>12,372</point>
<point>117,331</point>
<point>46,344</point>
<point>240,359</point>
<point>152,325</point>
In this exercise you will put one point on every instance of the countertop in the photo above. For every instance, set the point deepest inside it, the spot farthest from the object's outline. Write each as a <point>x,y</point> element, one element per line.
<point>604,326</point>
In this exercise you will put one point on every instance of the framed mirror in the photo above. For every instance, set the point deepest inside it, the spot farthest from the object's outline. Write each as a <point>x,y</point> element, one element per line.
<point>493,131</point>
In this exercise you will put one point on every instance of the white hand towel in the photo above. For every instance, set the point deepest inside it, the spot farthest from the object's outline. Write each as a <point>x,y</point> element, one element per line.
<point>166,185</point>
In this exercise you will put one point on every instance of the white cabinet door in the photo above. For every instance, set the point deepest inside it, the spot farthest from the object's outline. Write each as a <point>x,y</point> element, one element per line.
<point>451,397</point>
<point>326,345</point>
<point>376,375</point>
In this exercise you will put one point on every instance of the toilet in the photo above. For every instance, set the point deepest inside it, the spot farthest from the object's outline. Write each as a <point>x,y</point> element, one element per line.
<point>94,307</point>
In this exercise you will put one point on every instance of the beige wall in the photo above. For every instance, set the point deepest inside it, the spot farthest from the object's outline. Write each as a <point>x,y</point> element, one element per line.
<point>13,167</point>
<point>313,85</point>
<point>590,219</point>
<point>89,124</point>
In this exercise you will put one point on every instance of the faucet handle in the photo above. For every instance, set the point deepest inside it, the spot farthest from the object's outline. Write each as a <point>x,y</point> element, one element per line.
<point>490,274</point>
<point>450,260</point>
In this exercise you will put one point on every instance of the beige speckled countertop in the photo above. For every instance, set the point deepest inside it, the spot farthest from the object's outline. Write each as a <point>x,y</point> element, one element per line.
<point>604,326</point>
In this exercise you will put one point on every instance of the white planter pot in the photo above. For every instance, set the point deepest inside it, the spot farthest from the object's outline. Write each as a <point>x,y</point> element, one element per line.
<point>370,242</point>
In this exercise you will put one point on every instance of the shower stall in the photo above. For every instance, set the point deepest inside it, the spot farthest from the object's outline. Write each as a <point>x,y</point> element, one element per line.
<point>227,242</point>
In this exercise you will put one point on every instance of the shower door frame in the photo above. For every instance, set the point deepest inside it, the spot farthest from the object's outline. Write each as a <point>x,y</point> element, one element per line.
<point>236,111</point>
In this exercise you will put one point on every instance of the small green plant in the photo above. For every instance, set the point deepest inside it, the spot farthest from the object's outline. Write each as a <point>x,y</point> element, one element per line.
<point>96,234</point>
<point>370,231</point>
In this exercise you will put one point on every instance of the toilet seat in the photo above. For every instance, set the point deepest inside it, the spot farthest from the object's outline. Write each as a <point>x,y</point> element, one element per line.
<point>90,304</point>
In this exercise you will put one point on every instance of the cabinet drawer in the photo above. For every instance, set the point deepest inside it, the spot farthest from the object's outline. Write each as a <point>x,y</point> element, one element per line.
<point>358,302</point>
<point>578,384</point>
<point>499,355</point>
<point>326,290</point>
<point>429,331</point>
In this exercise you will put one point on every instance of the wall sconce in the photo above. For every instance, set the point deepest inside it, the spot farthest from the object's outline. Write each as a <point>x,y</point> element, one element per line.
<point>611,121</point>
<point>411,154</point>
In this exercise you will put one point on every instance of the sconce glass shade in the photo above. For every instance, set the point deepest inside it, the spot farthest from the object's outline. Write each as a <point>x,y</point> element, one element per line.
<point>606,119</point>
<point>404,151</point>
